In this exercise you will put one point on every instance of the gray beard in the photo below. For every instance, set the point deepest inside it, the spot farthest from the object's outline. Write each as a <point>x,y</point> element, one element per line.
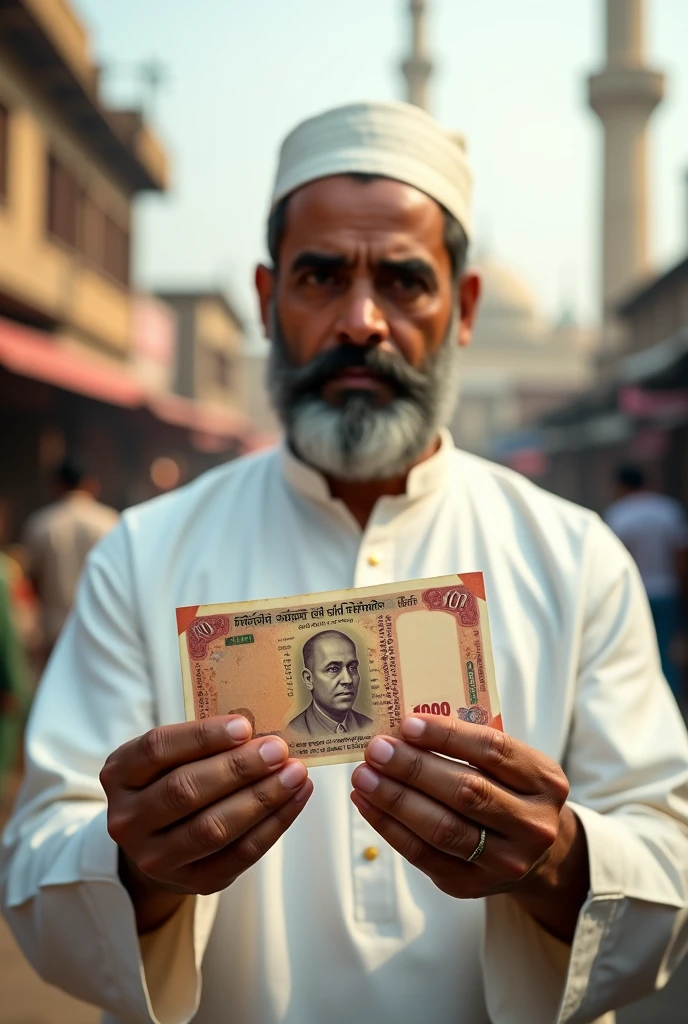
<point>356,440</point>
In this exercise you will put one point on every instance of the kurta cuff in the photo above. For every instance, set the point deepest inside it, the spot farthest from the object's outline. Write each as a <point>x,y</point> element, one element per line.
<point>172,957</point>
<point>524,967</point>
<point>630,927</point>
<point>626,941</point>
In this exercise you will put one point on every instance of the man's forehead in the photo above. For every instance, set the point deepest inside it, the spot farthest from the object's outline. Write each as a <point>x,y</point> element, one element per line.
<point>342,206</point>
<point>328,646</point>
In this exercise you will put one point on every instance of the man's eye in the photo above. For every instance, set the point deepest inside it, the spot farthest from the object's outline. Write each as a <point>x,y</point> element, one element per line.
<point>333,669</point>
<point>318,277</point>
<point>406,282</point>
<point>403,283</point>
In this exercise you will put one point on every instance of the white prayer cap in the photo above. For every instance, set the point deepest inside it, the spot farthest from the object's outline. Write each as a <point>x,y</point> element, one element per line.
<point>392,139</point>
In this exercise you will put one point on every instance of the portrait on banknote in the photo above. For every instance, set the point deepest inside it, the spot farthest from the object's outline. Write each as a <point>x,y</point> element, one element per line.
<point>332,676</point>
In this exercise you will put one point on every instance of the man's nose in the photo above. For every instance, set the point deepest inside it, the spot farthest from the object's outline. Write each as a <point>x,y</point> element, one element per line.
<point>361,321</point>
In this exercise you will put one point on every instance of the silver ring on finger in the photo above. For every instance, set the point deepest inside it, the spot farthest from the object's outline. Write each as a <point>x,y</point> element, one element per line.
<point>479,848</point>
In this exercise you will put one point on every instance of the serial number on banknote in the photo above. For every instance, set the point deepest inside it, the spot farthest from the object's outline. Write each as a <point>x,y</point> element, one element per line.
<point>329,671</point>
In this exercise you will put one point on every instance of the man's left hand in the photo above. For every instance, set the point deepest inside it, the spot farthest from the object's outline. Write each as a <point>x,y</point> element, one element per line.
<point>432,808</point>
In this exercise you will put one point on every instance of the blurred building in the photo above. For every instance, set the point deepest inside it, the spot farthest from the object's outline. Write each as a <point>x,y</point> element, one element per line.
<point>210,343</point>
<point>69,171</point>
<point>654,376</point>
<point>87,364</point>
<point>639,412</point>
<point>638,407</point>
<point>210,388</point>
<point>518,367</point>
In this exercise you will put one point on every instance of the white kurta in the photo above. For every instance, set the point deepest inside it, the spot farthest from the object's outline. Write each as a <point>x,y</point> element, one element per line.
<point>315,932</point>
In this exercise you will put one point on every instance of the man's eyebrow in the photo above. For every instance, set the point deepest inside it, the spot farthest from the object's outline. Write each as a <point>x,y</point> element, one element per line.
<point>319,261</point>
<point>413,265</point>
<point>330,263</point>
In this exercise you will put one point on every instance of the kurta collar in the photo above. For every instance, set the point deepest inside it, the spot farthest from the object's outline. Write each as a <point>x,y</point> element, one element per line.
<point>426,478</point>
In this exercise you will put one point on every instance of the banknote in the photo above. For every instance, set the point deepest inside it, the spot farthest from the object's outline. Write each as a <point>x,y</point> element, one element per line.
<point>329,671</point>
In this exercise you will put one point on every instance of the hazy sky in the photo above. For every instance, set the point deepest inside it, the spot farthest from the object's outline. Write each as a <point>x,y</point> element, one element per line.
<point>510,74</point>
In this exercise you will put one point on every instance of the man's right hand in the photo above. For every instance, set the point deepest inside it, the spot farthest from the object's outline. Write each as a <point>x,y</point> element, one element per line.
<point>192,806</point>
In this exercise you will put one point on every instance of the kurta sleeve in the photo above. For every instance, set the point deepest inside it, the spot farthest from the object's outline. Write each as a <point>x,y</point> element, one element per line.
<point>627,764</point>
<point>58,871</point>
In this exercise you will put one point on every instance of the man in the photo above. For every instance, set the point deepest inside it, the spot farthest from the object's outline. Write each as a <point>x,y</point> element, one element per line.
<point>331,673</point>
<point>58,538</point>
<point>466,880</point>
<point>654,528</point>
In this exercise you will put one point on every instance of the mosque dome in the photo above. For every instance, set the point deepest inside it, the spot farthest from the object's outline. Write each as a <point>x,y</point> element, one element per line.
<point>509,314</point>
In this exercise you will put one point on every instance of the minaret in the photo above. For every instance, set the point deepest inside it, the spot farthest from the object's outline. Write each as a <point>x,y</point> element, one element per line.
<point>623,95</point>
<point>418,67</point>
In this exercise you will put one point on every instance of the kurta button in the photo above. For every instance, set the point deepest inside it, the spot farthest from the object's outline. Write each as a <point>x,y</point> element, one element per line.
<point>371,853</point>
<point>374,559</point>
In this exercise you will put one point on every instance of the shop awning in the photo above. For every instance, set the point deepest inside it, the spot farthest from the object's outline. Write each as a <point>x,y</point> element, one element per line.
<point>31,353</point>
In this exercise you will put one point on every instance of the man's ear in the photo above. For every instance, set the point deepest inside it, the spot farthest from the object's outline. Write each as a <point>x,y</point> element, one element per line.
<point>265,286</point>
<point>307,678</point>
<point>470,289</point>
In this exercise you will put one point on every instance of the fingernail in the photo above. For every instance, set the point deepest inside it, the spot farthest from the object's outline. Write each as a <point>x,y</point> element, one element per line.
<point>413,727</point>
<point>366,780</point>
<point>292,775</point>
<point>274,752</point>
<point>361,802</point>
<point>380,750</point>
<point>302,794</point>
<point>239,729</point>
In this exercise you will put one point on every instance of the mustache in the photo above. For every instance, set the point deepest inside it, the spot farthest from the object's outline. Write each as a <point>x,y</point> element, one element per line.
<point>389,368</point>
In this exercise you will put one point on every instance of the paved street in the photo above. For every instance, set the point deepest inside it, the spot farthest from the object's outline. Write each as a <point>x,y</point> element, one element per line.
<point>24,999</point>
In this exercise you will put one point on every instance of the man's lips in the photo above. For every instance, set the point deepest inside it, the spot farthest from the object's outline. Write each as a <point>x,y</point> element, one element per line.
<point>355,378</point>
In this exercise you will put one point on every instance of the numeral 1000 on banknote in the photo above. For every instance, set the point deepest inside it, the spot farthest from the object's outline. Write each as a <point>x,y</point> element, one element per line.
<point>434,709</point>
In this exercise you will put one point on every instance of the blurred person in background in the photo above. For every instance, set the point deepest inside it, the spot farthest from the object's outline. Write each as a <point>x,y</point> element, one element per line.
<point>58,539</point>
<point>654,528</point>
<point>14,679</point>
<point>19,642</point>
<point>171,871</point>
<point>26,612</point>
